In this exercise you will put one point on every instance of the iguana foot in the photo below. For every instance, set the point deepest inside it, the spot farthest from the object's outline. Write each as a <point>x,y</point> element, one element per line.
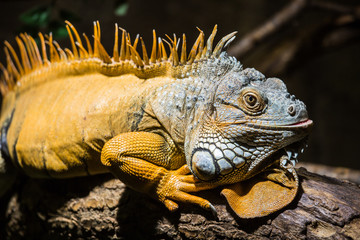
<point>146,161</point>
<point>175,187</point>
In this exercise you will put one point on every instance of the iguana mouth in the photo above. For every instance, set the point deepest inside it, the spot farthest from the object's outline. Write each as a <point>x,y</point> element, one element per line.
<point>303,124</point>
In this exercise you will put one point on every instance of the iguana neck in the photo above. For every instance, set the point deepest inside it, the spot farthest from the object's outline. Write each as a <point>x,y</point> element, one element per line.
<point>182,105</point>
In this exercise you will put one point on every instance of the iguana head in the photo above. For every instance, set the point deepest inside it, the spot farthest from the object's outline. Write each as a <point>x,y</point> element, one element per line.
<point>249,135</point>
<point>251,119</point>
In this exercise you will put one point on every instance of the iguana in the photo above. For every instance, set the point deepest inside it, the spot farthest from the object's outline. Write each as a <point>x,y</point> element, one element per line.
<point>166,124</point>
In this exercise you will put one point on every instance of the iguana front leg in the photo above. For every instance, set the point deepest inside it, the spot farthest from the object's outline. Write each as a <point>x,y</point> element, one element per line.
<point>148,163</point>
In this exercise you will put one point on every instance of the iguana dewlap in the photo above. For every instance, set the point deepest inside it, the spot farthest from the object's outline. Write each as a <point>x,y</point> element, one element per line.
<point>167,124</point>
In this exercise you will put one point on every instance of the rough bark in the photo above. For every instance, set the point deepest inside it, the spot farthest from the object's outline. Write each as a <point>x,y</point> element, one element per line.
<point>102,207</point>
<point>352,175</point>
<point>303,42</point>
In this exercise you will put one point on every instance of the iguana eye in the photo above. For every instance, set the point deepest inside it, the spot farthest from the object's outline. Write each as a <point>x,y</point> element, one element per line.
<point>252,102</point>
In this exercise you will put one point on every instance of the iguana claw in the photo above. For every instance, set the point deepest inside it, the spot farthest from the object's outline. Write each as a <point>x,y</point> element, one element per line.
<point>176,185</point>
<point>213,210</point>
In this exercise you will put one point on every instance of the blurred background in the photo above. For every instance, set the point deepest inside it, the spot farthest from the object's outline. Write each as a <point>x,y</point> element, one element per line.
<point>314,46</point>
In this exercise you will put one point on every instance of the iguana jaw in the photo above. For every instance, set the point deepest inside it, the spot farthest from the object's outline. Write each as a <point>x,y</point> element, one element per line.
<point>288,155</point>
<point>224,160</point>
<point>293,149</point>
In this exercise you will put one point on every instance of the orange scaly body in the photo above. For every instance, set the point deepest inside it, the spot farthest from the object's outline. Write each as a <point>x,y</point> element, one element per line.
<point>166,125</point>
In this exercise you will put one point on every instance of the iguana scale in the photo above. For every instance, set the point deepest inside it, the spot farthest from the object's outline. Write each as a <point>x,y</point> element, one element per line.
<point>166,124</point>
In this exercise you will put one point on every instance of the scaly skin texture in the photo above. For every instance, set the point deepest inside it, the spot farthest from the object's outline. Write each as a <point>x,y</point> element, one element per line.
<point>164,125</point>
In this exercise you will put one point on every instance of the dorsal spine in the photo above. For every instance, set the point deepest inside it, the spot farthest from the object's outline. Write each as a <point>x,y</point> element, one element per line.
<point>50,58</point>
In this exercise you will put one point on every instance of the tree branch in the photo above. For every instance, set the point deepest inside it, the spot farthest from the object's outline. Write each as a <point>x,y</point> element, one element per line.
<point>102,207</point>
<point>308,42</point>
<point>281,18</point>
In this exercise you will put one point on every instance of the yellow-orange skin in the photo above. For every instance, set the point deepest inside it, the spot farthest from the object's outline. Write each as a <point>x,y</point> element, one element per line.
<point>60,124</point>
<point>59,128</point>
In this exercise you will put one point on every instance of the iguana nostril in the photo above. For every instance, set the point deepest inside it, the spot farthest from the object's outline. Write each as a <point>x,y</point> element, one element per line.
<point>292,110</point>
<point>203,165</point>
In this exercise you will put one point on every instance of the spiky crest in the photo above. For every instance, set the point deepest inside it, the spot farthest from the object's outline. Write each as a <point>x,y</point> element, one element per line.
<point>126,58</point>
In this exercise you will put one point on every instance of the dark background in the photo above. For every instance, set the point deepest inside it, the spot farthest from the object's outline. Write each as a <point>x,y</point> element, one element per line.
<point>316,53</point>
